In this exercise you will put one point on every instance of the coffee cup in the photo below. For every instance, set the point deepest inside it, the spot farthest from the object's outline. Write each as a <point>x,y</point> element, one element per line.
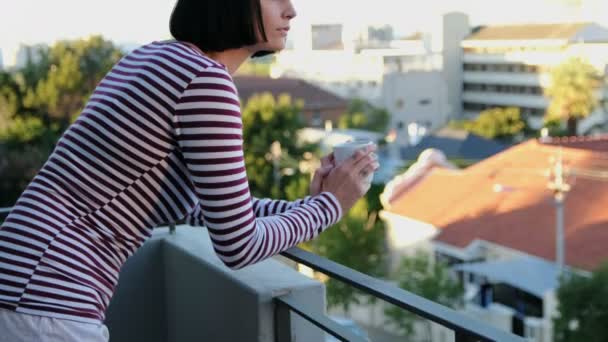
<point>347,149</point>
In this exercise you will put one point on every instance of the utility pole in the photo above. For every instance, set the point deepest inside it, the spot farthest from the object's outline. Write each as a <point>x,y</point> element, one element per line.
<point>559,187</point>
<point>275,151</point>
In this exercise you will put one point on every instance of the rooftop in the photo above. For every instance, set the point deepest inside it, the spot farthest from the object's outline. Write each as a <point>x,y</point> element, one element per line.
<point>505,200</point>
<point>313,96</point>
<point>587,31</point>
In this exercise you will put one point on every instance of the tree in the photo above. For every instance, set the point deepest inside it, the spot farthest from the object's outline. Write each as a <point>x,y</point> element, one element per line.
<point>256,67</point>
<point>267,120</point>
<point>357,241</point>
<point>361,115</point>
<point>572,92</point>
<point>583,307</point>
<point>10,99</point>
<point>494,123</point>
<point>75,68</point>
<point>426,278</point>
<point>360,230</point>
<point>38,101</point>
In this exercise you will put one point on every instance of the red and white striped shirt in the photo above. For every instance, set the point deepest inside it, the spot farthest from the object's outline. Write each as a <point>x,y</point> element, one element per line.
<point>159,140</point>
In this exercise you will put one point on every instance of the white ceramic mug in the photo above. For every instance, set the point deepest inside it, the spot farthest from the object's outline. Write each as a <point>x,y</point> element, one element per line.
<point>345,150</point>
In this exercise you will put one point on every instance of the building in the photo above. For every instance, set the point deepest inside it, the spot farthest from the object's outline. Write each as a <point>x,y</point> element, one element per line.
<point>415,98</point>
<point>29,54</point>
<point>495,223</point>
<point>352,61</point>
<point>509,66</point>
<point>320,106</point>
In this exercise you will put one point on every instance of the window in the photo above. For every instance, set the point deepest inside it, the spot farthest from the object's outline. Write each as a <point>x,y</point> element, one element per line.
<point>522,302</point>
<point>316,119</point>
<point>399,104</point>
<point>424,102</point>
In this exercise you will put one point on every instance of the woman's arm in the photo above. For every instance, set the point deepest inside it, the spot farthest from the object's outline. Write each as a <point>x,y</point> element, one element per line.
<point>262,207</point>
<point>209,132</point>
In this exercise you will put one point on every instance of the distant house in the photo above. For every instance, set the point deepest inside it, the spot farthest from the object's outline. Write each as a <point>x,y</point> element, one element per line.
<point>495,223</point>
<point>455,144</point>
<point>319,105</point>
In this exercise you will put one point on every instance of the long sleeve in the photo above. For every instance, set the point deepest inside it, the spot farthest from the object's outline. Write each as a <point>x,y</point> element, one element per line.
<point>262,207</point>
<point>266,206</point>
<point>208,128</point>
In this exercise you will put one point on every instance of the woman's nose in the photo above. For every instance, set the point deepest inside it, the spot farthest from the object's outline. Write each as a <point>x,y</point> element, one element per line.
<point>290,12</point>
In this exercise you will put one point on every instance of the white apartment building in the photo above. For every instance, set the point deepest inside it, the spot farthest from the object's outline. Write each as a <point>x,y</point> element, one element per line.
<point>510,66</point>
<point>336,60</point>
<point>410,77</point>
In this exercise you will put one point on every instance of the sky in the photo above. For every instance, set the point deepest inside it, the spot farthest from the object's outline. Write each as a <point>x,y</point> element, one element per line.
<point>142,21</point>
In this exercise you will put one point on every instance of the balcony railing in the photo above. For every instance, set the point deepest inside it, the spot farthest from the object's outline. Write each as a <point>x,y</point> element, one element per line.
<point>4,212</point>
<point>465,328</point>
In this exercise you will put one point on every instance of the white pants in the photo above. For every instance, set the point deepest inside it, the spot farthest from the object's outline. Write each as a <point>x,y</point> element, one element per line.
<point>18,327</point>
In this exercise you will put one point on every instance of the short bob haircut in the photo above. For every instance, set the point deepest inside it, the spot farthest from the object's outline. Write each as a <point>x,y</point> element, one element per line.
<point>218,25</point>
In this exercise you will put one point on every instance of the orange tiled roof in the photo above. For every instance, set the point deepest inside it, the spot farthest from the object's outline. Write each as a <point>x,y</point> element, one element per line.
<point>505,200</point>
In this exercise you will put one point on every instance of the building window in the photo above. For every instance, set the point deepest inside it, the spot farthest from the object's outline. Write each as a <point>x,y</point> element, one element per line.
<point>400,104</point>
<point>521,301</point>
<point>316,119</point>
<point>424,102</point>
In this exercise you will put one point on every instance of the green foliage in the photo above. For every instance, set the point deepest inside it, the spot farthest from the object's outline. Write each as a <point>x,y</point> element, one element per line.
<point>18,166</point>
<point>38,102</point>
<point>266,120</point>
<point>360,230</point>
<point>572,88</point>
<point>10,98</point>
<point>255,67</point>
<point>360,115</point>
<point>583,308</point>
<point>357,241</point>
<point>22,130</point>
<point>495,123</point>
<point>432,280</point>
<point>555,127</point>
<point>74,69</point>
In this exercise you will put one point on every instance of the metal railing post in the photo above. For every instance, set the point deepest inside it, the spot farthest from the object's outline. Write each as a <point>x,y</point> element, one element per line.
<point>282,322</point>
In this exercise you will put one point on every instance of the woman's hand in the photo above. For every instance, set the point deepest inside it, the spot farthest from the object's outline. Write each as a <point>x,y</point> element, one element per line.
<point>327,164</point>
<point>348,180</point>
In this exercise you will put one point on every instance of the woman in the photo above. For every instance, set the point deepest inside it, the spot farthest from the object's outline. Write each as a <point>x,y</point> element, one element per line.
<point>159,141</point>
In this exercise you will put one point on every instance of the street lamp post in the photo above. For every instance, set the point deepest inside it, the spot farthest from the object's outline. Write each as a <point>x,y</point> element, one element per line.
<point>275,151</point>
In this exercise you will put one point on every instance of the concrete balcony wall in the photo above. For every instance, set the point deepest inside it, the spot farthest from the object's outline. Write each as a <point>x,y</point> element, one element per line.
<point>176,289</point>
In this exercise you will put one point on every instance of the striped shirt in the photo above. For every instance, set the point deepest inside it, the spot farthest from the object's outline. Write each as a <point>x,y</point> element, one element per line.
<point>159,140</point>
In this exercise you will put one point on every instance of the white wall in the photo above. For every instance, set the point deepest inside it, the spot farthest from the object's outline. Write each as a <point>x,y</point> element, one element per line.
<point>455,28</point>
<point>402,96</point>
<point>405,236</point>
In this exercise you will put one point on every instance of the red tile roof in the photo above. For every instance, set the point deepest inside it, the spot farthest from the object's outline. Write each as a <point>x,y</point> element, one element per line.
<point>505,200</point>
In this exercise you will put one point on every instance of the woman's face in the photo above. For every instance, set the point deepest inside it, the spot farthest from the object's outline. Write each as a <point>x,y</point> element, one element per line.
<point>276,15</point>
